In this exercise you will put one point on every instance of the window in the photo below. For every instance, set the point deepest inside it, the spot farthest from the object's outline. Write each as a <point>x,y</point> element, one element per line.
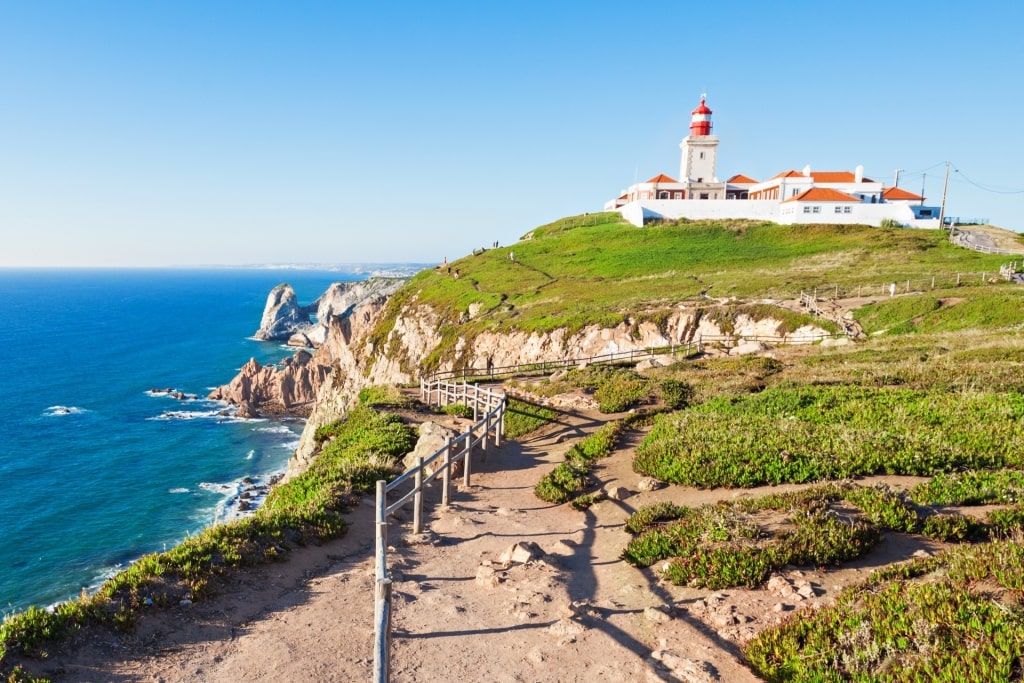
<point>846,209</point>
<point>663,195</point>
<point>794,192</point>
<point>677,195</point>
<point>926,212</point>
<point>817,209</point>
<point>703,195</point>
<point>839,209</point>
<point>702,155</point>
<point>807,209</point>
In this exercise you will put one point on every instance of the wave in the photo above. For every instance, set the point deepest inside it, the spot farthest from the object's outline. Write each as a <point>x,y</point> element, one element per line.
<point>242,497</point>
<point>276,429</point>
<point>57,411</point>
<point>178,490</point>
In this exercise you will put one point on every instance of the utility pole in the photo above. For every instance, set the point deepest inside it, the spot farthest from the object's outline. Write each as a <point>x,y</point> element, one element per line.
<point>923,177</point>
<point>897,183</point>
<point>942,209</point>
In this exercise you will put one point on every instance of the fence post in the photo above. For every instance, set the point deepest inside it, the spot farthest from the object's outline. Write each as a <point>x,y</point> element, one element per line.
<point>487,428</point>
<point>933,282</point>
<point>500,425</point>
<point>446,478</point>
<point>908,285</point>
<point>476,401</point>
<point>958,279</point>
<point>466,455</point>
<point>417,513</point>
<point>382,631</point>
<point>382,529</point>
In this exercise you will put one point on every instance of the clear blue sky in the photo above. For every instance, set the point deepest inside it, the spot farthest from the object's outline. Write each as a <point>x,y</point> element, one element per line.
<point>190,133</point>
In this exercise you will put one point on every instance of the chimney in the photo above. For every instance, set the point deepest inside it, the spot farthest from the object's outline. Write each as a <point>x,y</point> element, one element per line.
<point>807,170</point>
<point>858,174</point>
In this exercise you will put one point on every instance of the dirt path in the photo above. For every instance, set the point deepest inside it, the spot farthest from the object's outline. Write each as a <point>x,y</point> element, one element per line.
<point>576,612</point>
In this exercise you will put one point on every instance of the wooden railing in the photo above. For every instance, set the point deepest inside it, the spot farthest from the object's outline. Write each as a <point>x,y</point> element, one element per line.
<point>549,366</point>
<point>486,402</point>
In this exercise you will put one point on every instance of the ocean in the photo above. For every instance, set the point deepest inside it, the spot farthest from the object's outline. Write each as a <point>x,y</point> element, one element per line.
<point>98,464</point>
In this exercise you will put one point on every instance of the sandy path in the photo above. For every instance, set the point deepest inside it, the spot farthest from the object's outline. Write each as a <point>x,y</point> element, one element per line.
<point>577,613</point>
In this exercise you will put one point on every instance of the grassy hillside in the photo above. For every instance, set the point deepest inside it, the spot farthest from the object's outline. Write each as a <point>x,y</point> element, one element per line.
<point>600,269</point>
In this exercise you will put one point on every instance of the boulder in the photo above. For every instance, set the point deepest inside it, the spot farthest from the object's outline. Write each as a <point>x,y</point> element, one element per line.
<point>521,553</point>
<point>748,348</point>
<point>282,315</point>
<point>432,439</point>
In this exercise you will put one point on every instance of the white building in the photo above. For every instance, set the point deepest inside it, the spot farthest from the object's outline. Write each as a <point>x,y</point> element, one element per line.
<point>807,196</point>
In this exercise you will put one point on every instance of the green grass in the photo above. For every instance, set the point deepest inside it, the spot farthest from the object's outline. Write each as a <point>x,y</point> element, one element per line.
<point>601,270</point>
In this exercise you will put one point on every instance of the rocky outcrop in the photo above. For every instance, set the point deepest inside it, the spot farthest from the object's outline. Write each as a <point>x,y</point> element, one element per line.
<point>289,387</point>
<point>282,315</point>
<point>328,381</point>
<point>284,319</point>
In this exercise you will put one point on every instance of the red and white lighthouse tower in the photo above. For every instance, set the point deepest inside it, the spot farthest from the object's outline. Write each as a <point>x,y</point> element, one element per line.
<point>700,119</point>
<point>700,155</point>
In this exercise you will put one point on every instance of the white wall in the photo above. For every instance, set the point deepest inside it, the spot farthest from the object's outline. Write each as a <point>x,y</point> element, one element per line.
<point>769,210</point>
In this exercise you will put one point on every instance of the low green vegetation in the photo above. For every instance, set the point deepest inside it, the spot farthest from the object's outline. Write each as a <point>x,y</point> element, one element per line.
<point>740,543</point>
<point>951,618</point>
<point>307,509</point>
<point>458,410</point>
<point>570,478</point>
<point>523,417</point>
<point>811,433</point>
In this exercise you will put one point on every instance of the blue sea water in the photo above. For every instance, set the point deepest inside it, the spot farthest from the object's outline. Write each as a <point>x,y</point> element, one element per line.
<point>97,470</point>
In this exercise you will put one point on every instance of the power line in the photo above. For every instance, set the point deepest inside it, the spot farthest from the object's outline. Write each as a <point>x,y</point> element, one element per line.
<point>986,189</point>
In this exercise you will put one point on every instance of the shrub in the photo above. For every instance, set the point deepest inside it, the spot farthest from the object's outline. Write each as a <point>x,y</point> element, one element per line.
<point>458,410</point>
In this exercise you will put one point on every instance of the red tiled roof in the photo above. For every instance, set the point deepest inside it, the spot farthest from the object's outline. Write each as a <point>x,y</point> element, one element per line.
<point>837,177</point>
<point>741,179</point>
<point>822,194</point>
<point>787,174</point>
<point>662,178</point>
<point>899,193</point>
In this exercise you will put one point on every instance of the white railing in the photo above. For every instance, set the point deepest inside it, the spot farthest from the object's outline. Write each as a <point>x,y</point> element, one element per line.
<point>487,402</point>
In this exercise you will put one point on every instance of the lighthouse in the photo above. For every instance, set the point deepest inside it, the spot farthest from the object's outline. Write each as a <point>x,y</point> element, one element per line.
<point>700,152</point>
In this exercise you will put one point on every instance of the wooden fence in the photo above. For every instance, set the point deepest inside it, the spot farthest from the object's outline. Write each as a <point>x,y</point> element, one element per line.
<point>486,402</point>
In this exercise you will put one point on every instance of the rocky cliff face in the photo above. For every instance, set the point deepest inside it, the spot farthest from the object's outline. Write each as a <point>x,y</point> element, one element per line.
<point>345,360</point>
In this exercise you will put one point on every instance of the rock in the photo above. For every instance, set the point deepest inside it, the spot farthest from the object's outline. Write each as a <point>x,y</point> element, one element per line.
<point>647,484</point>
<point>287,388</point>
<point>566,627</point>
<point>836,341</point>
<point>658,614</point>
<point>748,348</point>
<point>521,553</point>
<point>616,492</point>
<point>687,670</point>
<point>282,315</point>
<point>432,439</point>
<point>247,410</point>
<point>487,577</point>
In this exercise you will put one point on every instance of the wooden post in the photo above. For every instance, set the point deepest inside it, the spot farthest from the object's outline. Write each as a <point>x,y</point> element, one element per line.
<point>446,478</point>
<point>465,456</point>
<point>958,279</point>
<point>382,631</point>
<point>487,428</point>
<point>417,513</point>
<point>476,401</point>
<point>382,529</point>
<point>500,425</point>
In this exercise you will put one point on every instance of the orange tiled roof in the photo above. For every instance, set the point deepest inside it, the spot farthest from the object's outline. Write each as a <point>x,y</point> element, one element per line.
<point>741,179</point>
<point>662,178</point>
<point>899,193</point>
<point>837,177</point>
<point>787,174</point>
<point>823,194</point>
